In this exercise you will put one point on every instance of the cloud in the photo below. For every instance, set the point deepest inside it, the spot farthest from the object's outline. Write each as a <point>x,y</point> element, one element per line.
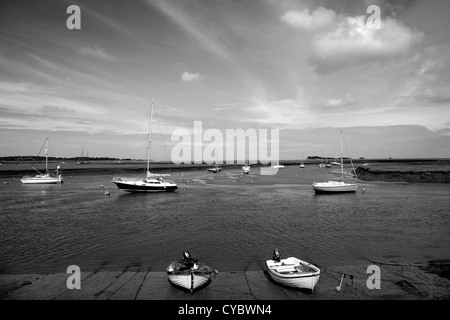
<point>339,102</point>
<point>190,77</point>
<point>318,19</point>
<point>339,41</point>
<point>207,34</point>
<point>95,52</point>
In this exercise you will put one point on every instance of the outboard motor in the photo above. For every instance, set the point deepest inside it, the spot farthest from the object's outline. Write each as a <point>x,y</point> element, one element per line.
<point>187,255</point>
<point>276,255</point>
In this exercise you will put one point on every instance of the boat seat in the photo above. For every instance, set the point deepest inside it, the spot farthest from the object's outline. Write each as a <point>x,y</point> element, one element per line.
<point>286,269</point>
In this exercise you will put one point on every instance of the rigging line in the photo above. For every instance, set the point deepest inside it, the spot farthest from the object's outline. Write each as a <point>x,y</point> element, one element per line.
<point>46,140</point>
<point>349,157</point>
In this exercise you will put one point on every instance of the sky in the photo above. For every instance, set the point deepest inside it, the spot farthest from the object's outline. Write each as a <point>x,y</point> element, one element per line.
<point>306,68</point>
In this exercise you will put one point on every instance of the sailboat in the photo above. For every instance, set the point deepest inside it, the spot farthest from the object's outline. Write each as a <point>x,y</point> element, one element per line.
<point>47,177</point>
<point>302,165</point>
<point>335,186</point>
<point>83,160</point>
<point>152,182</point>
<point>321,165</point>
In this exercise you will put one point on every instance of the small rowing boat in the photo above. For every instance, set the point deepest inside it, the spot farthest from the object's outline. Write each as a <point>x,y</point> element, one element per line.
<point>189,274</point>
<point>293,272</point>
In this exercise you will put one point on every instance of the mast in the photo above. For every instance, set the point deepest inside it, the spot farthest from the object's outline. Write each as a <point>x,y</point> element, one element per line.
<point>342,159</point>
<point>149,142</point>
<point>46,155</point>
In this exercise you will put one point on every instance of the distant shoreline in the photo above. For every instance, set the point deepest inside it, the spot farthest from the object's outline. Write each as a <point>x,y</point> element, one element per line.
<point>398,170</point>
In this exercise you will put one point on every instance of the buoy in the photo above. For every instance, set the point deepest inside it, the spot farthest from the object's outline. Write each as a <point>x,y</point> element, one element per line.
<point>5,182</point>
<point>101,186</point>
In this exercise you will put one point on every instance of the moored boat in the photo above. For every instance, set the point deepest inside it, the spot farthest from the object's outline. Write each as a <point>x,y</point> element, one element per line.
<point>152,182</point>
<point>339,186</point>
<point>189,274</point>
<point>47,177</point>
<point>293,272</point>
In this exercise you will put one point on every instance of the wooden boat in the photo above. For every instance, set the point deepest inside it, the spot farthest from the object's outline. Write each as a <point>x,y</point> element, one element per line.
<point>293,272</point>
<point>188,273</point>
<point>47,177</point>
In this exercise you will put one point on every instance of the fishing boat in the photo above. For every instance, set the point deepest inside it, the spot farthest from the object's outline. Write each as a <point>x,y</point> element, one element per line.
<point>246,168</point>
<point>152,182</point>
<point>44,178</point>
<point>293,272</point>
<point>189,274</point>
<point>336,186</point>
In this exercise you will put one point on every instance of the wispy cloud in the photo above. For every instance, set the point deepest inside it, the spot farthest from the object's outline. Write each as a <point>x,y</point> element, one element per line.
<point>96,52</point>
<point>201,30</point>
<point>190,77</point>
<point>304,20</point>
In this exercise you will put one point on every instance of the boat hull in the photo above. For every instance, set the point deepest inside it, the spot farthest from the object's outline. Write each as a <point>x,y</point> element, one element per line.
<point>292,277</point>
<point>189,281</point>
<point>41,180</point>
<point>328,187</point>
<point>144,187</point>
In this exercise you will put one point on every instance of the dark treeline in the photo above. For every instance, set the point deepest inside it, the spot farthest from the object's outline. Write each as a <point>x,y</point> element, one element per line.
<point>41,158</point>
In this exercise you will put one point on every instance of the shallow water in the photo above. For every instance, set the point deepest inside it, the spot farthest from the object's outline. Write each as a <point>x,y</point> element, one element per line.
<point>228,220</point>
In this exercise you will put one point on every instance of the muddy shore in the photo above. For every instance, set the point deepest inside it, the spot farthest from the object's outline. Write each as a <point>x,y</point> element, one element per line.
<point>418,281</point>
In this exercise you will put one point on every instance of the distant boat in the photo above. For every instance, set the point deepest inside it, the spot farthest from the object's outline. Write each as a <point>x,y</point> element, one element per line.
<point>293,272</point>
<point>277,165</point>
<point>83,160</point>
<point>152,182</point>
<point>215,168</point>
<point>246,168</point>
<point>335,186</point>
<point>47,177</point>
<point>321,165</point>
<point>302,165</point>
<point>188,273</point>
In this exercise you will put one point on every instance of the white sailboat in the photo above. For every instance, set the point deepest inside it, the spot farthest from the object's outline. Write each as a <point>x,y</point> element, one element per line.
<point>47,177</point>
<point>302,164</point>
<point>83,160</point>
<point>332,186</point>
<point>321,165</point>
<point>152,182</point>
